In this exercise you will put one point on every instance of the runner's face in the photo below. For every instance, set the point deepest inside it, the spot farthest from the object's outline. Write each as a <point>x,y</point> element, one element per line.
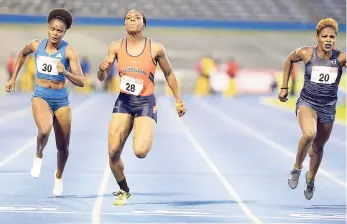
<point>326,39</point>
<point>56,30</point>
<point>134,21</point>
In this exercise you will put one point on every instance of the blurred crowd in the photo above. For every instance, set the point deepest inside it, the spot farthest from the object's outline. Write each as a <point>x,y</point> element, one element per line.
<point>213,77</point>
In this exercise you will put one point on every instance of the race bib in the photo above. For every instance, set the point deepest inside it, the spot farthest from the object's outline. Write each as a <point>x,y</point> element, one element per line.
<point>131,85</point>
<point>323,74</point>
<point>47,65</point>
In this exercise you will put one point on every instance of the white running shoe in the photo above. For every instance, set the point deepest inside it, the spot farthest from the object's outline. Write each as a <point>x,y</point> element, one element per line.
<point>36,167</point>
<point>58,186</point>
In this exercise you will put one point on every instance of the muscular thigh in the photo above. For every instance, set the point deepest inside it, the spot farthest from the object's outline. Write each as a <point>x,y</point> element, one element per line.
<point>119,129</point>
<point>144,128</point>
<point>62,126</point>
<point>43,115</point>
<point>323,134</point>
<point>307,119</point>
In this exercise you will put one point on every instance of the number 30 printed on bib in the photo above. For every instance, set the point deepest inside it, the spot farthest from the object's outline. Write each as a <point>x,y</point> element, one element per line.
<point>131,85</point>
<point>47,65</point>
<point>324,74</point>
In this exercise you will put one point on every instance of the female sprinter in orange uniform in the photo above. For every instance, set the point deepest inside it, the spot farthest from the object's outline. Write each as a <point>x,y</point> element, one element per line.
<point>50,102</point>
<point>137,58</point>
<point>316,106</point>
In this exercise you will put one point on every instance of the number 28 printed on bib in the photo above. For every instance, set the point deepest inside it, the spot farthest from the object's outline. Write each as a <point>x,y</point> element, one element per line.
<point>324,74</point>
<point>131,85</point>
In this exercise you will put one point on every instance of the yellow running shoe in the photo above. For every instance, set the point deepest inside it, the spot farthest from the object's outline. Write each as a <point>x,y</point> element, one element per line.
<point>121,197</point>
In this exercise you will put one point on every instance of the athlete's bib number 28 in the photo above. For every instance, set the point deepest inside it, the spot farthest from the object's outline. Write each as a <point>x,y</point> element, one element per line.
<point>323,74</point>
<point>131,85</point>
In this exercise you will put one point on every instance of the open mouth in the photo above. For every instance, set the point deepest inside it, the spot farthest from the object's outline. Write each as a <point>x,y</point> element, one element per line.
<point>328,46</point>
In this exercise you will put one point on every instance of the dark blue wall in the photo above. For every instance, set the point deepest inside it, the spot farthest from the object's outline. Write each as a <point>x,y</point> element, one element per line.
<point>21,19</point>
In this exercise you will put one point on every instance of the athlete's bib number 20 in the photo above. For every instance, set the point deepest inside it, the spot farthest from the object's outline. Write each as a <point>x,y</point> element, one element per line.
<point>131,85</point>
<point>323,74</point>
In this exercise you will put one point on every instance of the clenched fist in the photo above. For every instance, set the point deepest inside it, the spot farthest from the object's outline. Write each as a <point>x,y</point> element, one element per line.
<point>180,108</point>
<point>60,68</point>
<point>105,64</point>
<point>283,95</point>
<point>10,86</point>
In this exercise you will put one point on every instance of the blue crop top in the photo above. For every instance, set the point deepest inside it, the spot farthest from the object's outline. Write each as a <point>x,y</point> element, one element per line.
<point>46,64</point>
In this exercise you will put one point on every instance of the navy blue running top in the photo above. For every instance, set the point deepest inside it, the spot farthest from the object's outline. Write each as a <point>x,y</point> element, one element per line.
<point>322,78</point>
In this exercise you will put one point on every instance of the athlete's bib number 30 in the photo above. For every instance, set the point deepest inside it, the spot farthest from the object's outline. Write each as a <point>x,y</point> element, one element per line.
<point>47,65</point>
<point>323,74</point>
<point>131,85</point>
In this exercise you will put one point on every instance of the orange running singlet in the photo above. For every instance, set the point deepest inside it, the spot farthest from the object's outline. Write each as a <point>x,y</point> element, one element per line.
<point>136,72</point>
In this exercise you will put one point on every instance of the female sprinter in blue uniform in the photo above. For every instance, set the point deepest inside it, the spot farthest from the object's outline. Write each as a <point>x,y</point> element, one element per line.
<point>50,104</point>
<point>137,58</point>
<point>316,105</point>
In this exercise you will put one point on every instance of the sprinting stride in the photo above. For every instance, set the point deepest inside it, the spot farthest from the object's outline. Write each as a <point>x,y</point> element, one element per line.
<point>54,57</point>
<point>316,106</point>
<point>136,107</point>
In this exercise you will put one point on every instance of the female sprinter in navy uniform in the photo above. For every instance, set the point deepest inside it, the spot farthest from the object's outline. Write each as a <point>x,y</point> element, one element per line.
<point>316,105</point>
<point>137,58</point>
<point>50,103</point>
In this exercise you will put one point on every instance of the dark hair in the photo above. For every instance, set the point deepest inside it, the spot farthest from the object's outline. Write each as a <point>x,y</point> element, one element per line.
<point>143,16</point>
<point>61,14</point>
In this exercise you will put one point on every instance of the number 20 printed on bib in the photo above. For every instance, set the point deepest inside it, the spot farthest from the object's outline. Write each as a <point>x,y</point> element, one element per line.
<point>324,74</point>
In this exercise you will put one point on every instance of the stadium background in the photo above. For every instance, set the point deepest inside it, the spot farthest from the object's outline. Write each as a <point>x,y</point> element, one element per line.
<point>257,34</point>
<point>233,153</point>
